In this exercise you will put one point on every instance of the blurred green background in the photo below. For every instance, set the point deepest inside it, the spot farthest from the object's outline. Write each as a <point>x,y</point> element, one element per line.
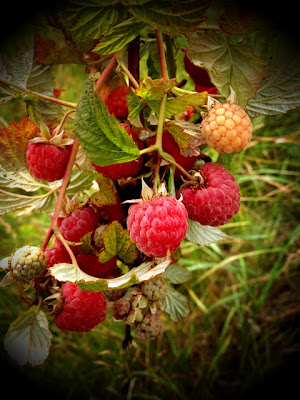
<point>243,331</point>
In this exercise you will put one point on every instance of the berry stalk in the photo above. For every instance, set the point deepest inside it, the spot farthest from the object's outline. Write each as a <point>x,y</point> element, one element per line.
<point>62,192</point>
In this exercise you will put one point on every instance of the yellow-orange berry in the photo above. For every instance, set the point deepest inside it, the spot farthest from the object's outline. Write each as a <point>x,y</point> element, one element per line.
<point>227,128</point>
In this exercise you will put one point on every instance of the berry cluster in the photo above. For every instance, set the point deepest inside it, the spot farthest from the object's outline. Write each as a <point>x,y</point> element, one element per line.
<point>133,221</point>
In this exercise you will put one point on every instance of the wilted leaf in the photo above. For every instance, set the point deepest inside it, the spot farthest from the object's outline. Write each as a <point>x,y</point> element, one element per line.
<point>154,89</point>
<point>203,235</point>
<point>104,141</point>
<point>68,272</point>
<point>176,304</point>
<point>107,194</point>
<point>13,147</point>
<point>229,64</point>
<point>28,338</point>
<point>117,242</point>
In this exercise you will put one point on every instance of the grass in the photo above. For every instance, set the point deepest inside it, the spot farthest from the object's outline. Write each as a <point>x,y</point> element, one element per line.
<point>243,330</point>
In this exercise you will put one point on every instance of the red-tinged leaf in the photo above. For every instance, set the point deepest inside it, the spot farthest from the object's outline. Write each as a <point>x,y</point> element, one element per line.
<point>57,92</point>
<point>49,53</point>
<point>14,142</point>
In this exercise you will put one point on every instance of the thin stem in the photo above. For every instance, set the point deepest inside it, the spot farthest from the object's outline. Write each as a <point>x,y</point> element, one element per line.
<point>161,120</point>
<point>106,72</point>
<point>171,160</point>
<point>62,192</point>
<point>161,54</point>
<point>39,95</point>
<point>129,74</point>
<point>170,56</point>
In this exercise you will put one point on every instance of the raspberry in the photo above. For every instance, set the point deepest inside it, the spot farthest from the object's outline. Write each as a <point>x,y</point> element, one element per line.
<point>121,308</point>
<point>78,223</point>
<point>89,264</point>
<point>155,289</point>
<point>116,102</point>
<point>170,146</point>
<point>150,328</point>
<point>28,263</point>
<point>199,76</point>
<point>214,201</point>
<point>157,226</point>
<point>46,161</point>
<point>56,255</point>
<point>82,310</point>
<point>126,169</point>
<point>227,128</point>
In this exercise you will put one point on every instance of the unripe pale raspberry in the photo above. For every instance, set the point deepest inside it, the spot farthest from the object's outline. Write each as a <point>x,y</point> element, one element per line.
<point>215,200</point>
<point>150,328</point>
<point>28,263</point>
<point>99,235</point>
<point>227,128</point>
<point>157,226</point>
<point>155,289</point>
<point>82,310</point>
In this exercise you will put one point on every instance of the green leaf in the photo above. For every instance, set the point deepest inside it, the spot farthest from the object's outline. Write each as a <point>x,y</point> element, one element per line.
<point>119,36</point>
<point>203,235</point>
<point>80,180</point>
<point>177,274</point>
<point>23,70</point>
<point>28,338</point>
<point>171,17</point>
<point>229,64</point>
<point>280,92</point>
<point>102,138</point>
<point>117,242</point>
<point>176,304</point>
<point>90,20</point>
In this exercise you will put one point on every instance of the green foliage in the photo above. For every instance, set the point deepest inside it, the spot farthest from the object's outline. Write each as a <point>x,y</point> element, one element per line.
<point>104,141</point>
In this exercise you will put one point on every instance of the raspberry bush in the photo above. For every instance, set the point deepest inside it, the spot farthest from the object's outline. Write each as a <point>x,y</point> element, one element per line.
<point>138,165</point>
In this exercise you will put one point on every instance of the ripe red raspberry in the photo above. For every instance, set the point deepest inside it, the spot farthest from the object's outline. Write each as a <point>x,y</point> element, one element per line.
<point>157,226</point>
<point>89,264</point>
<point>126,169</point>
<point>199,76</point>
<point>78,223</point>
<point>214,201</point>
<point>227,128</point>
<point>171,147</point>
<point>82,310</point>
<point>46,161</point>
<point>56,255</point>
<point>116,102</point>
